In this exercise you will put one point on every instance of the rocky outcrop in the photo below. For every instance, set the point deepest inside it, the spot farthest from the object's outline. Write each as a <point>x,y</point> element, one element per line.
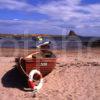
<point>72,33</point>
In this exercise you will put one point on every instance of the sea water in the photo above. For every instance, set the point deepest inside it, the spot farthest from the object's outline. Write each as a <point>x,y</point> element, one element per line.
<point>56,43</point>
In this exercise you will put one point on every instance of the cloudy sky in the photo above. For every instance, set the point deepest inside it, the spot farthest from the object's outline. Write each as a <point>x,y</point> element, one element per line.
<point>50,16</point>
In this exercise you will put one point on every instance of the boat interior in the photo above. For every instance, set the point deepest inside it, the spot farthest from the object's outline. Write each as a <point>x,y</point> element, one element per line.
<point>40,55</point>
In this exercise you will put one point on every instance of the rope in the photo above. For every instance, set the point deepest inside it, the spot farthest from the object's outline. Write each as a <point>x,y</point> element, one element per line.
<point>22,67</point>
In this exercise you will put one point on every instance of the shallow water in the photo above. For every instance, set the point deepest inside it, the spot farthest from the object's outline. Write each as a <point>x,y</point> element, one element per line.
<point>56,43</point>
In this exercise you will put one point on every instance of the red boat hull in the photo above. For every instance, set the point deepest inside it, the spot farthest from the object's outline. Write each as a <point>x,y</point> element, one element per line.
<point>44,65</point>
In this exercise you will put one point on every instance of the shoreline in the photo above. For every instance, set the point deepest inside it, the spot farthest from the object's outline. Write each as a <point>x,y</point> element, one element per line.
<point>13,52</point>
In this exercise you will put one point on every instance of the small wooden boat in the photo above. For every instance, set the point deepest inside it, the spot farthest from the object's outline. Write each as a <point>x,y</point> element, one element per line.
<point>37,65</point>
<point>44,64</point>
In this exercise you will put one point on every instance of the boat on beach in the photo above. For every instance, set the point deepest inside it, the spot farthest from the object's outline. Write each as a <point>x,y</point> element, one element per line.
<point>44,64</point>
<point>37,65</point>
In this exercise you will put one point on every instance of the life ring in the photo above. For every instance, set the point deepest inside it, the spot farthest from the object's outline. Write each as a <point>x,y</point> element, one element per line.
<point>31,81</point>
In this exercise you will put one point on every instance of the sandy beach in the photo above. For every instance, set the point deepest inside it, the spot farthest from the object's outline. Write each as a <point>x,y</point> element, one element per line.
<point>75,77</point>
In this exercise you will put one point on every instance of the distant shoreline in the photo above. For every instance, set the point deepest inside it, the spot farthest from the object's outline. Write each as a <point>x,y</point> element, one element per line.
<point>72,39</point>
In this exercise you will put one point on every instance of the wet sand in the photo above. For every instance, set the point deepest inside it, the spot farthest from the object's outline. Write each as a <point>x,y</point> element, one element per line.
<point>75,77</point>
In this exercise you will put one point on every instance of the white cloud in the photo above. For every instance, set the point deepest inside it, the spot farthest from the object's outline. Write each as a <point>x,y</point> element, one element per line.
<point>21,26</point>
<point>16,5</point>
<point>62,12</point>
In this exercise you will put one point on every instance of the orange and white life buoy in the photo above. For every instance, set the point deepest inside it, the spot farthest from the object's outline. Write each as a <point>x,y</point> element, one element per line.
<point>31,81</point>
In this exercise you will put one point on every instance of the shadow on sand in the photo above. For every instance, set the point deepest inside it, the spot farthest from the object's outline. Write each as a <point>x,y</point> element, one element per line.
<point>13,79</point>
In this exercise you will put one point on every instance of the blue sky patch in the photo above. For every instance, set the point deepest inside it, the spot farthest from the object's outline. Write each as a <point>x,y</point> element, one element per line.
<point>86,2</point>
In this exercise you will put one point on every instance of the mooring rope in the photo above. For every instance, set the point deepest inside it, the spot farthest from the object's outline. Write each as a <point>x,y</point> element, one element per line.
<point>22,67</point>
